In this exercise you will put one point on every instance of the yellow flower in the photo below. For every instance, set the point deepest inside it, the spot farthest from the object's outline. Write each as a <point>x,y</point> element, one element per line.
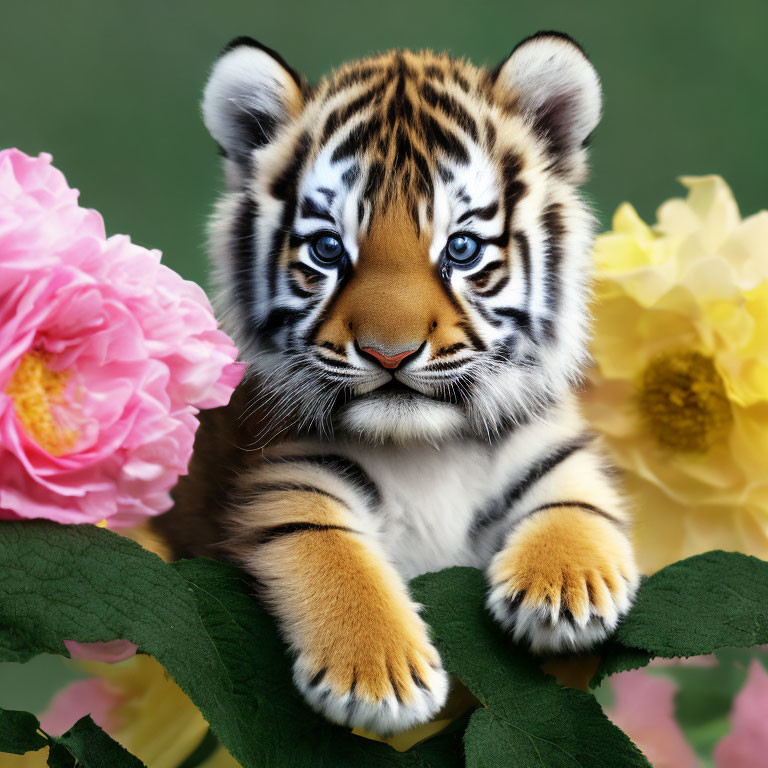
<point>150,716</point>
<point>679,385</point>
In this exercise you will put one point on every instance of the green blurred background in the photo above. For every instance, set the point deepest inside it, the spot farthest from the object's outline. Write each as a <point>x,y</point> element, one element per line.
<point>112,89</point>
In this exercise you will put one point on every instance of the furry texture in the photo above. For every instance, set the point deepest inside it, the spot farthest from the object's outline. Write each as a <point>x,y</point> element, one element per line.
<point>406,410</point>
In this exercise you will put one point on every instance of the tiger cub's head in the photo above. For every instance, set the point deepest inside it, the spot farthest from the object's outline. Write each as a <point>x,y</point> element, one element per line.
<point>402,252</point>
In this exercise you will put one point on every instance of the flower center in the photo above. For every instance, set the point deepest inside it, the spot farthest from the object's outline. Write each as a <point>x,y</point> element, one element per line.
<point>683,401</point>
<point>36,392</point>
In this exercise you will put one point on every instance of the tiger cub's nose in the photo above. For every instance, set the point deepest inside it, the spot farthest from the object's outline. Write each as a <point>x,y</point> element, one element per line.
<point>386,361</point>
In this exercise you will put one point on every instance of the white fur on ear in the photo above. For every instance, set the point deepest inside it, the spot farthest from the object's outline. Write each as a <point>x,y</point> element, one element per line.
<point>250,93</point>
<point>556,86</point>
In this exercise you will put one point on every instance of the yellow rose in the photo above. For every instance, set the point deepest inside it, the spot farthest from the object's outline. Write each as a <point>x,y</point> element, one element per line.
<point>679,385</point>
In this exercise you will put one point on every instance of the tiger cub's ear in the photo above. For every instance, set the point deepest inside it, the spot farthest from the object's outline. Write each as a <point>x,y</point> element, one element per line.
<point>552,82</point>
<point>250,93</point>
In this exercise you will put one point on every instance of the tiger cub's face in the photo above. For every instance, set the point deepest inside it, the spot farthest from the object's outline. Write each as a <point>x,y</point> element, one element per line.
<point>402,252</point>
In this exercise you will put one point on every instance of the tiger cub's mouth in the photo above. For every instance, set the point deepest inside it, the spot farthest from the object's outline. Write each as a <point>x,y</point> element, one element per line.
<point>396,387</point>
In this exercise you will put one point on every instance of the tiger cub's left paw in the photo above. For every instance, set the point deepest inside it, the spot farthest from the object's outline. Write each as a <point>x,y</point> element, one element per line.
<point>564,579</point>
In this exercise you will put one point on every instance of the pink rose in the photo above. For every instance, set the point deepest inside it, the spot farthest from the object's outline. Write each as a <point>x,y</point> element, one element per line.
<point>106,356</point>
<point>746,746</point>
<point>644,709</point>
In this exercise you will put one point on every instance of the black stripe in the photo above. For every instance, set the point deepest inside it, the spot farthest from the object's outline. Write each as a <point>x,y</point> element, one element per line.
<point>311,210</point>
<point>357,139</point>
<point>579,505</point>
<point>244,252</point>
<point>498,508</point>
<point>332,363</point>
<point>483,311</point>
<point>258,129</point>
<point>490,133</point>
<point>524,250</point>
<point>514,189</point>
<point>445,351</point>
<point>375,180</point>
<point>333,347</point>
<point>554,227</point>
<point>445,139</point>
<point>297,290</point>
<point>424,181</point>
<point>451,365</point>
<point>496,288</point>
<point>266,535</point>
<point>353,77</point>
<point>434,72</point>
<point>351,175</point>
<point>288,487</point>
<point>403,147</point>
<point>311,275</point>
<point>282,317</point>
<point>284,188</point>
<point>343,466</point>
<point>393,683</point>
<point>484,214</point>
<point>521,317</point>
<point>460,80</point>
<point>318,677</point>
<point>342,114</point>
<point>445,173</point>
<point>481,278</point>
<point>451,108</point>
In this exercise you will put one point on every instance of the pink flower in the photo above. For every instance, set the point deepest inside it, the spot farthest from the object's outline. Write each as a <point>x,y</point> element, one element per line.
<point>93,696</point>
<point>644,709</point>
<point>110,652</point>
<point>106,355</point>
<point>746,746</point>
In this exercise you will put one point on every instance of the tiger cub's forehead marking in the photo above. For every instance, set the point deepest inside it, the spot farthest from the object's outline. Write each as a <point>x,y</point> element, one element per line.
<point>405,130</point>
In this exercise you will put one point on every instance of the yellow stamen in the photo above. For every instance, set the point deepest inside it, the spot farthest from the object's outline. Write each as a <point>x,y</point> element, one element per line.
<point>36,390</point>
<point>683,401</point>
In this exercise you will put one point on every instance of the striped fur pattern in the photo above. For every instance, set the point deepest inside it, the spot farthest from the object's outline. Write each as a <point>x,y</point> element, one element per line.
<point>415,407</point>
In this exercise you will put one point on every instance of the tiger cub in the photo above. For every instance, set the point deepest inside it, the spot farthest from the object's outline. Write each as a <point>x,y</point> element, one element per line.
<point>403,257</point>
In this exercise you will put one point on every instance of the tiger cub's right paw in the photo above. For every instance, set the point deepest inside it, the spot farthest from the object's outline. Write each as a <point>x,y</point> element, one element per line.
<point>385,677</point>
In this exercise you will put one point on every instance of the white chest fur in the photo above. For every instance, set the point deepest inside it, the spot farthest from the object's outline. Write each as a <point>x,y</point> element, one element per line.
<point>429,497</point>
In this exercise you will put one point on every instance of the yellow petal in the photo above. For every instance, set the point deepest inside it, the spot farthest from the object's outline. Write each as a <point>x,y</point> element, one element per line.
<point>710,209</point>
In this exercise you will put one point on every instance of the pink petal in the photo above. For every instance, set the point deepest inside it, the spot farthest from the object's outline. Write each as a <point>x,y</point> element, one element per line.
<point>138,346</point>
<point>644,709</point>
<point>746,746</point>
<point>94,697</point>
<point>110,652</point>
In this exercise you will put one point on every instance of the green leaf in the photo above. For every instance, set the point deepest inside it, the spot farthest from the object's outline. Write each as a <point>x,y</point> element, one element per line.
<point>84,745</point>
<point>205,749</point>
<point>90,747</point>
<point>19,732</point>
<point>528,719</point>
<point>198,619</point>
<point>692,607</point>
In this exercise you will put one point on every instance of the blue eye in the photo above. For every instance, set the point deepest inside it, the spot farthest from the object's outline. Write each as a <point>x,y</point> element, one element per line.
<point>462,249</point>
<point>327,249</point>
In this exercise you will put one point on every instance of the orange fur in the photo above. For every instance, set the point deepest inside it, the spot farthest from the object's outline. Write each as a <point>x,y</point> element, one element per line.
<point>564,557</point>
<point>373,308</point>
<point>345,611</point>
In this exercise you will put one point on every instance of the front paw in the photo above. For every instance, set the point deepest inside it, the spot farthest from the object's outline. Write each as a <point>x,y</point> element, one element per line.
<point>564,579</point>
<point>382,676</point>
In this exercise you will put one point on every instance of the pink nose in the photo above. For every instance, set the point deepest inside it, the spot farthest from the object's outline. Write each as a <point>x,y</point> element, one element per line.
<point>388,361</point>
